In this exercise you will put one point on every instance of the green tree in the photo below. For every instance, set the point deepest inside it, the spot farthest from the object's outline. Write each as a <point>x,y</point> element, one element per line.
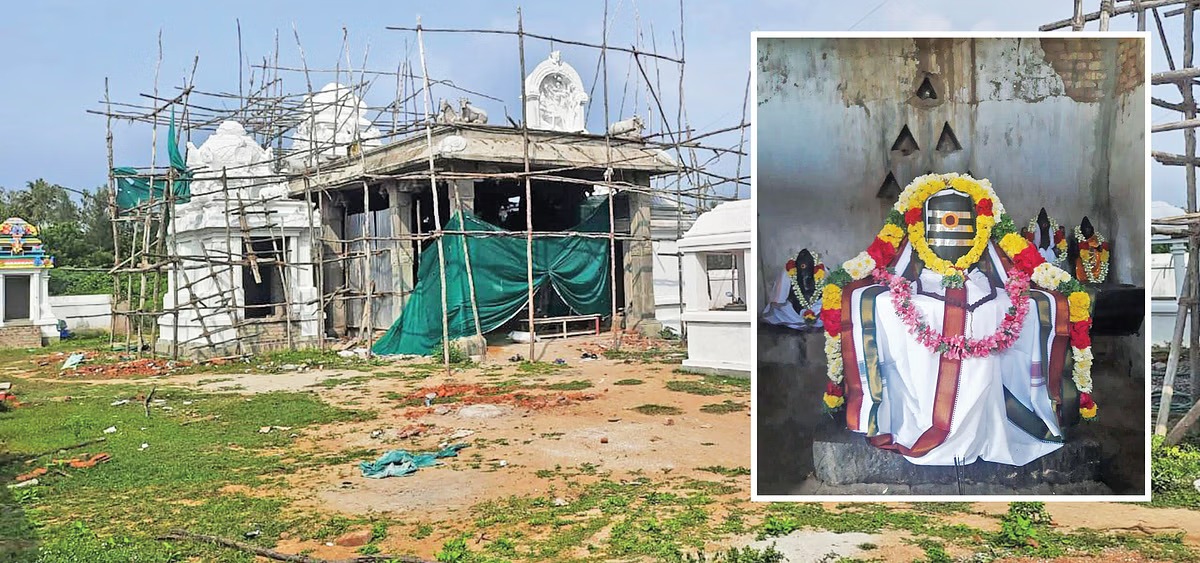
<point>77,233</point>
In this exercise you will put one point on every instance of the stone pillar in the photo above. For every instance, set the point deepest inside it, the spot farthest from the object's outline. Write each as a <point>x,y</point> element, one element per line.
<point>639,266</point>
<point>400,203</point>
<point>333,217</point>
<point>462,191</point>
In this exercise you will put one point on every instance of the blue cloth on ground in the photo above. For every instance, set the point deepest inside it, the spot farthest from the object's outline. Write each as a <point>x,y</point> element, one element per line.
<point>401,463</point>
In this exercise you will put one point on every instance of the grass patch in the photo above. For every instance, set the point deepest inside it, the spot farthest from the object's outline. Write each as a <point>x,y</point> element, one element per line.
<point>652,409</point>
<point>576,385</point>
<point>539,368</point>
<point>726,471</point>
<point>668,354</point>
<point>709,385</point>
<point>724,407</point>
<point>113,511</point>
<point>629,382</point>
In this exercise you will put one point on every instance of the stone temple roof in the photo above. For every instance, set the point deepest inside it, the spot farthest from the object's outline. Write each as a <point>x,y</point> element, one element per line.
<point>495,145</point>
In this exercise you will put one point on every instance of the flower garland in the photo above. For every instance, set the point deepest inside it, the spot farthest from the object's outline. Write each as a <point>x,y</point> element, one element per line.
<point>992,223</point>
<point>1091,253</point>
<point>960,347</point>
<point>1059,238</point>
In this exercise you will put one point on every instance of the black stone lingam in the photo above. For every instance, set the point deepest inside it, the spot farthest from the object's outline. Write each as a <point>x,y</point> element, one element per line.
<point>1043,223</point>
<point>805,266</point>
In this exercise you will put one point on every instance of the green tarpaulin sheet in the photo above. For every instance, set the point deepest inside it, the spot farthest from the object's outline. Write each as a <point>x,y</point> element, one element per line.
<point>577,268</point>
<point>133,188</point>
<point>400,463</point>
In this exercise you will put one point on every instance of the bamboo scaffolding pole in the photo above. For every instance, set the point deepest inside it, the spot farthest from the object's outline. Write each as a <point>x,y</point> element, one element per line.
<point>528,191</point>
<point>612,192</point>
<point>437,219</point>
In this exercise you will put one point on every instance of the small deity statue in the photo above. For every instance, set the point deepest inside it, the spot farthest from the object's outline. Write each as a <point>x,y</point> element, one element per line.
<point>1047,237</point>
<point>1089,253</point>
<point>795,300</point>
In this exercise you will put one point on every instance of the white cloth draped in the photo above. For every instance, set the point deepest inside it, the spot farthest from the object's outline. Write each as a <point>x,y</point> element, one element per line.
<point>980,428</point>
<point>779,311</point>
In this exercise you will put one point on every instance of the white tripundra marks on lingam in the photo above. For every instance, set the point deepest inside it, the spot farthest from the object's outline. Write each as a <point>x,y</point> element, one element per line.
<point>951,339</point>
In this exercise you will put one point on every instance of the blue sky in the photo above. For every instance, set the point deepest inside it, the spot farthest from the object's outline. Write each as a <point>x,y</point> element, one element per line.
<point>55,57</point>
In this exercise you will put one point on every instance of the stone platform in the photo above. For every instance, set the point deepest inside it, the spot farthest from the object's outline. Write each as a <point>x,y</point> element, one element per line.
<point>846,462</point>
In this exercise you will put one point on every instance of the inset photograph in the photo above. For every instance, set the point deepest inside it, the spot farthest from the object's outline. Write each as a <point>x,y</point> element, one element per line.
<point>951,246</point>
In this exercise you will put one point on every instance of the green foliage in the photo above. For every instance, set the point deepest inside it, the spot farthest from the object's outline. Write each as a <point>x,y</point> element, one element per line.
<point>1023,525</point>
<point>1004,225</point>
<point>896,218</point>
<point>77,234</point>
<point>726,471</point>
<point>113,512</point>
<point>456,551</point>
<point>839,277</point>
<point>457,354</point>
<point>1160,249</point>
<point>668,333</point>
<point>653,409</point>
<point>935,552</point>
<point>724,407</point>
<point>1172,471</point>
<point>629,382</point>
<point>575,385</point>
<point>735,555</point>
<point>80,282</point>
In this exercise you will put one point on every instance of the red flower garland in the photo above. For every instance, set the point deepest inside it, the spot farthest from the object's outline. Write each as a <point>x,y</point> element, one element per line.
<point>832,319</point>
<point>912,216</point>
<point>984,207</point>
<point>834,389</point>
<point>1028,259</point>
<point>882,251</point>
<point>1085,401</point>
<point>1081,334</point>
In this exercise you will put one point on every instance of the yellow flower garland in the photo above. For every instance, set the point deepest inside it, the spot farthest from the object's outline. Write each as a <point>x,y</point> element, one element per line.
<point>916,231</point>
<point>891,234</point>
<point>1080,306</point>
<point>832,299</point>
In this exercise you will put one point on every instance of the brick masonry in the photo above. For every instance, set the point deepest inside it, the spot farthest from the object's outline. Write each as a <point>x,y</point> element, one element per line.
<point>1131,57</point>
<point>20,336</point>
<point>1091,68</point>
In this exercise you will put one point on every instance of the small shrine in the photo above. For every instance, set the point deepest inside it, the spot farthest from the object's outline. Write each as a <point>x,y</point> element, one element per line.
<point>26,319</point>
<point>715,252</point>
<point>245,272</point>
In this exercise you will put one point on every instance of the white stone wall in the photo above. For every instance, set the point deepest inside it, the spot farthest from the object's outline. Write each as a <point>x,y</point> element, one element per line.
<point>83,312</point>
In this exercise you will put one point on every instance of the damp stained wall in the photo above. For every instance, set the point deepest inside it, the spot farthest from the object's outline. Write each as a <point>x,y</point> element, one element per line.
<point>1053,122</point>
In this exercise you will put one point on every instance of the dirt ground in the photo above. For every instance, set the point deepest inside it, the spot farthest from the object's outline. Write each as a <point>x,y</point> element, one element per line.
<point>514,438</point>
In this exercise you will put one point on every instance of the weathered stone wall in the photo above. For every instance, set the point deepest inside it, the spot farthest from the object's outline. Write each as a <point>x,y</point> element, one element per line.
<point>1051,122</point>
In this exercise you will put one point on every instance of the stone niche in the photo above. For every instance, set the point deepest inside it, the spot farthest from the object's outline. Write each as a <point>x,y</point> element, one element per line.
<point>239,208</point>
<point>26,319</point>
<point>555,99</point>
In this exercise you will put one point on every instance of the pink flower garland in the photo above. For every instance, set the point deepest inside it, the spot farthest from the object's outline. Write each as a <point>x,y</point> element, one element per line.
<point>959,347</point>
